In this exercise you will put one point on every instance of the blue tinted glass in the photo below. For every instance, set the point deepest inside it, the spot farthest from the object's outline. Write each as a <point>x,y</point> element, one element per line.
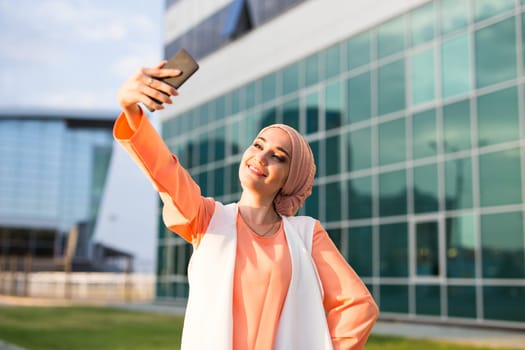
<point>394,298</point>
<point>392,142</point>
<point>311,70</point>
<point>458,184</point>
<point>359,149</point>
<point>332,61</point>
<point>456,127</point>
<point>290,79</point>
<point>484,9</point>
<point>454,15</point>
<point>500,178</point>
<point>312,113</point>
<point>510,305</point>
<point>391,87</point>
<point>424,134</point>
<point>393,250</point>
<point>391,37</point>
<point>332,155</point>
<point>312,203</point>
<point>428,300</point>
<point>269,88</point>
<point>461,246</point>
<point>334,105</point>
<point>359,248</point>
<point>423,76</point>
<point>456,68</point>
<point>461,301</point>
<point>291,113</point>
<point>359,98</point>
<point>502,245</point>
<point>495,53</point>
<point>426,188</point>
<point>358,51</point>
<point>498,117</point>
<point>333,201</point>
<point>360,198</point>
<point>392,193</point>
<point>422,24</point>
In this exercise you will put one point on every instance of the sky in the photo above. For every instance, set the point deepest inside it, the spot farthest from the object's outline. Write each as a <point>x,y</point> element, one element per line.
<point>74,54</point>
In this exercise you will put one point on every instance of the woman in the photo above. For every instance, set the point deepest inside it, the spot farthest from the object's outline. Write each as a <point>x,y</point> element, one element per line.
<point>260,277</point>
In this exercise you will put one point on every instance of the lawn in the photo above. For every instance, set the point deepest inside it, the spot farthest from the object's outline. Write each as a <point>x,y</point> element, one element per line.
<point>77,328</point>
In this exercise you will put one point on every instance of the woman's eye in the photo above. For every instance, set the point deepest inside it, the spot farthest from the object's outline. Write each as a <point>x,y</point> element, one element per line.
<point>278,157</point>
<point>258,146</point>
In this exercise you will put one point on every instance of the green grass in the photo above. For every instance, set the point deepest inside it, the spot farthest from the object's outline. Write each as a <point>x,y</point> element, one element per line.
<point>77,328</point>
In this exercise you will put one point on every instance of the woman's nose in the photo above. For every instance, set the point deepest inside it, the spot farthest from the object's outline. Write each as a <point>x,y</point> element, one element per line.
<point>260,158</point>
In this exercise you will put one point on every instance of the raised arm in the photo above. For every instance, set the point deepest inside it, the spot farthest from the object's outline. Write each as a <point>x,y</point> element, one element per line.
<point>185,210</point>
<point>351,311</point>
<point>143,87</point>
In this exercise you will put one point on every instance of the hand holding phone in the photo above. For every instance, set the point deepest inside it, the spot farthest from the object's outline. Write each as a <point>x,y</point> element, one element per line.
<point>182,61</point>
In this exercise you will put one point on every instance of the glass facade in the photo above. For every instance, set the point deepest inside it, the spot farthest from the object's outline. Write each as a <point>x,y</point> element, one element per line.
<point>52,175</point>
<point>417,128</point>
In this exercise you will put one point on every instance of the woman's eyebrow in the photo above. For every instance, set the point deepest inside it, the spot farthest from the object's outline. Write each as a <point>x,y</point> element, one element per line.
<point>278,147</point>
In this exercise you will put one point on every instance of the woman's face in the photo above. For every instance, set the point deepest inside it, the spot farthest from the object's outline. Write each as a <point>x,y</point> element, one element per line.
<point>265,164</point>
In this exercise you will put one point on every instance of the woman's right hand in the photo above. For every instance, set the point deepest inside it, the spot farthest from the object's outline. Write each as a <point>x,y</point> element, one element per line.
<point>143,88</point>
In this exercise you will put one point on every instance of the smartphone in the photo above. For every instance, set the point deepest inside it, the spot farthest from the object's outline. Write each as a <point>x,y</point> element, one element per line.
<point>182,61</point>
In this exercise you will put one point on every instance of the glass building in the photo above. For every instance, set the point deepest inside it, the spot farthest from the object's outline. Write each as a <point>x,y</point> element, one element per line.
<point>52,172</point>
<point>416,118</point>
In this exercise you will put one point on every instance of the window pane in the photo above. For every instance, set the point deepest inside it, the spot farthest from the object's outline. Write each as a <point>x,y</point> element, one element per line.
<point>332,155</point>
<point>425,189</point>
<point>359,246</point>
<point>250,95</point>
<point>458,184</point>
<point>424,133</point>
<point>358,51</point>
<point>455,66</point>
<point>454,15</point>
<point>461,301</point>
<point>461,247</point>
<point>391,37</point>
<point>236,101</point>
<point>332,61</point>
<point>391,87</point>
<point>495,53</point>
<point>502,245</point>
<point>359,98</point>
<point>498,117</point>
<point>334,108</point>
<point>422,23</point>
<point>392,142</point>
<point>423,77</point>
<point>500,178</point>
<point>393,250</point>
<point>456,127</point>
<point>311,70</point>
<point>510,305</point>
<point>291,113</point>
<point>359,148</point>
<point>290,79</point>
<point>428,300</point>
<point>484,9</point>
<point>269,88</point>
<point>360,198</point>
<point>333,201</point>
<point>394,298</point>
<point>312,113</point>
<point>312,203</point>
<point>392,193</point>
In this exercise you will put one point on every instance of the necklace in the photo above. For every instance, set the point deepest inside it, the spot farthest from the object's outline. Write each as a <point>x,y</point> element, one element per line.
<point>262,234</point>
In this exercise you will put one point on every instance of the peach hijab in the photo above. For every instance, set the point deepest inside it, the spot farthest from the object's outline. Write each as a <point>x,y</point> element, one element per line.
<point>298,185</point>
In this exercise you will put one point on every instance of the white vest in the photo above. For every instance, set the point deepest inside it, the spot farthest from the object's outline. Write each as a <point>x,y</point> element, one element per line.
<point>208,321</point>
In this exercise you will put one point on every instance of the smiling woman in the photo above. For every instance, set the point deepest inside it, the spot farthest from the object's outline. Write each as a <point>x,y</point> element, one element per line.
<point>260,277</point>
